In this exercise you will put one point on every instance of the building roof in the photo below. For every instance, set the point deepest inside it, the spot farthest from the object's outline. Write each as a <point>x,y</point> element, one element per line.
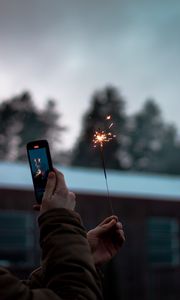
<point>92,181</point>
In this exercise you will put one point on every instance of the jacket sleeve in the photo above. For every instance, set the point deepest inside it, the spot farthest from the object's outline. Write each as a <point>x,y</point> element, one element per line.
<point>67,263</point>
<point>11,288</point>
<point>68,270</point>
<point>35,279</point>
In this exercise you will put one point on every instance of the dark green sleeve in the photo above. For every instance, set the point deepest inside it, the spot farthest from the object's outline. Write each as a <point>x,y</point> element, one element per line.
<point>67,264</point>
<point>11,288</point>
<point>35,280</point>
<point>67,261</point>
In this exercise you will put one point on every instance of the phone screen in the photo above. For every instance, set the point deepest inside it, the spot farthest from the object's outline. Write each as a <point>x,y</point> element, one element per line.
<point>40,167</point>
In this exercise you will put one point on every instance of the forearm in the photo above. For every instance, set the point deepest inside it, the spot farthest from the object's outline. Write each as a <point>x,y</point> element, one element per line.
<point>12,288</point>
<point>66,257</point>
<point>35,280</point>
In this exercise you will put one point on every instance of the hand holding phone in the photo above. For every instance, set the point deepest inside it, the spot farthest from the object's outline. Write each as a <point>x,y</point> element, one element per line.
<point>40,164</point>
<point>57,194</point>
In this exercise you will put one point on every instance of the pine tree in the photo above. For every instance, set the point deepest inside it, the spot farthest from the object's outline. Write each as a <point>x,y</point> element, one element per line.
<point>145,136</point>
<point>53,129</point>
<point>105,102</point>
<point>168,155</point>
<point>21,122</point>
<point>153,143</point>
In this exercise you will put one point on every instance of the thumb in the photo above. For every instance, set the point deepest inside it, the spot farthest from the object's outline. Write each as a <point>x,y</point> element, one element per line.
<point>106,227</point>
<point>36,207</point>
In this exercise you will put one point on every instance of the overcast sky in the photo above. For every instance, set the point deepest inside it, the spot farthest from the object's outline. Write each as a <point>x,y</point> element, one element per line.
<point>67,49</point>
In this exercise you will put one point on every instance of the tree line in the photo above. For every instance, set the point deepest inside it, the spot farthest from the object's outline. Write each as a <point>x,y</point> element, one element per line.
<point>142,141</point>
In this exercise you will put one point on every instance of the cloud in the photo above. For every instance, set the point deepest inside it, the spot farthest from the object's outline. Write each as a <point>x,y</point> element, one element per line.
<point>67,49</point>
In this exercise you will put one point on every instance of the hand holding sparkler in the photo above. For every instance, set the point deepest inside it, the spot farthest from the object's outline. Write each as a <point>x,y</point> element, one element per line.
<point>105,240</point>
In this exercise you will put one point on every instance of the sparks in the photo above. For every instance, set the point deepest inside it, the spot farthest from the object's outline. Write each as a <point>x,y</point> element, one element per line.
<point>101,137</point>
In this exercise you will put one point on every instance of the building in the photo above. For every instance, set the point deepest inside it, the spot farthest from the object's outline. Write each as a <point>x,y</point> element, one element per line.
<point>148,266</point>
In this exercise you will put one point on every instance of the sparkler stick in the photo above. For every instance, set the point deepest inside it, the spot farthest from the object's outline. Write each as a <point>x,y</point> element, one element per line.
<point>101,137</point>
<point>105,175</point>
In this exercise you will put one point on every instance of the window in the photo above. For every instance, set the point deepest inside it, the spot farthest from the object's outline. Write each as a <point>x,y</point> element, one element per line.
<point>16,238</point>
<point>163,241</point>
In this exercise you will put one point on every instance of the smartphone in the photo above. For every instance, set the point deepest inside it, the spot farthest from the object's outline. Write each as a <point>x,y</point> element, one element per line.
<point>40,164</point>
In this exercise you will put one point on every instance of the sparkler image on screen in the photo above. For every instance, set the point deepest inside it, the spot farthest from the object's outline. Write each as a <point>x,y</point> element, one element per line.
<point>40,169</point>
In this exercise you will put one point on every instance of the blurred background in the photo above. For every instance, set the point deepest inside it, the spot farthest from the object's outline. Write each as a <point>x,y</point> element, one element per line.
<point>64,67</point>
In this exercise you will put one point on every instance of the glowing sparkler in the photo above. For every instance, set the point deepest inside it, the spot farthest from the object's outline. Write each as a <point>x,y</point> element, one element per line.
<point>99,139</point>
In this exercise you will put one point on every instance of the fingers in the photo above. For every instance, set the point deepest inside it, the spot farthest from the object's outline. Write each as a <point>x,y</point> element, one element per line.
<point>109,225</point>
<point>120,238</point>
<point>120,233</point>
<point>119,225</point>
<point>108,219</point>
<point>56,194</point>
<point>72,198</point>
<point>36,207</point>
<point>113,227</point>
<point>103,228</point>
<point>61,185</point>
<point>50,186</point>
